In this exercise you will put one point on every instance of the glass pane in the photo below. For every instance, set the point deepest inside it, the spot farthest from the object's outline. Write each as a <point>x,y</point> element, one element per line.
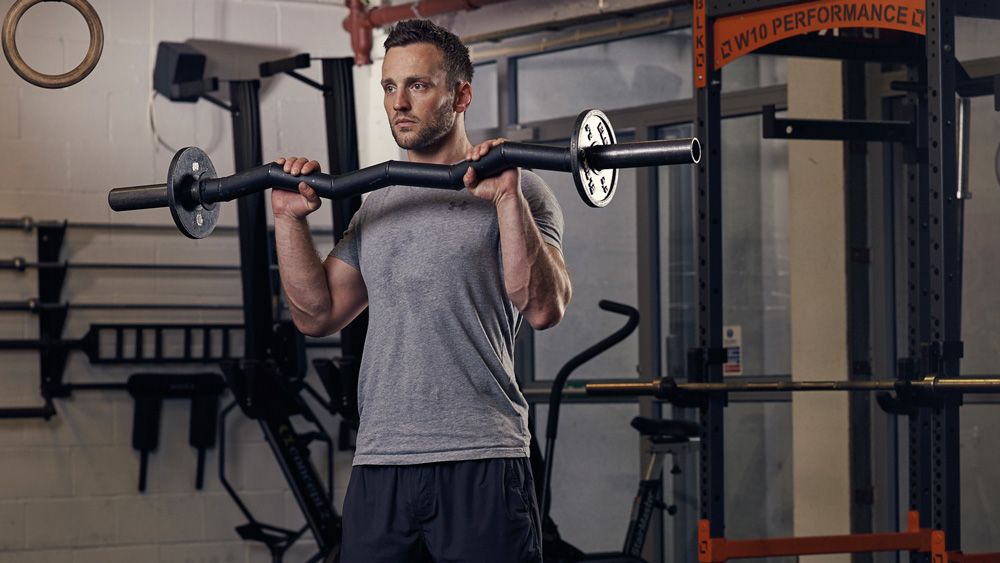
<point>758,470</point>
<point>619,74</point>
<point>755,245</point>
<point>755,249</point>
<point>600,251</point>
<point>485,109</point>
<point>597,456</point>
<point>980,452</point>
<point>981,244</point>
<point>596,465</point>
<point>754,71</point>
<point>678,259</point>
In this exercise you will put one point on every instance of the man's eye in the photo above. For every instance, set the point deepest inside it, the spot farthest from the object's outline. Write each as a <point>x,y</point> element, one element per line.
<point>418,86</point>
<point>390,89</point>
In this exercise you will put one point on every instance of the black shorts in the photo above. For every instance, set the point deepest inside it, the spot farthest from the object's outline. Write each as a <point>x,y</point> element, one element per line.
<point>464,511</point>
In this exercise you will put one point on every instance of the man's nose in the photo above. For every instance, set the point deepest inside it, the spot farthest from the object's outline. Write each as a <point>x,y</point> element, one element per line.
<point>401,101</point>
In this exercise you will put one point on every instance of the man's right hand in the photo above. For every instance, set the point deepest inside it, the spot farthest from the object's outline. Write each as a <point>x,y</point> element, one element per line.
<point>291,204</point>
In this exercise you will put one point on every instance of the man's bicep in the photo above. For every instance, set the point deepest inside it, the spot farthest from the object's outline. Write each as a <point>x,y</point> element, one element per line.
<point>348,292</point>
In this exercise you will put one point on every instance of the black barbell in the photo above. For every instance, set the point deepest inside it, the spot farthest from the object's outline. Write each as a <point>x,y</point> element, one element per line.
<point>193,191</point>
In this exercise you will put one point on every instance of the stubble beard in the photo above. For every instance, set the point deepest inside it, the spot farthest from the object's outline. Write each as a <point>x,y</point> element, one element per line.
<point>430,134</point>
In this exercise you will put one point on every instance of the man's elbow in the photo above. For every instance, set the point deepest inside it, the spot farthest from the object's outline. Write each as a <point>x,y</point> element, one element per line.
<point>312,326</point>
<point>546,317</point>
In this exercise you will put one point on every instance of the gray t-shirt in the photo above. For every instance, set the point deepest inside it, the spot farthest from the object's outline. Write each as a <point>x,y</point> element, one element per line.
<point>437,379</point>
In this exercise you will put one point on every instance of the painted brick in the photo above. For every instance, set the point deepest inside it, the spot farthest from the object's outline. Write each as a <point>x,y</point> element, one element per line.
<point>208,19</point>
<point>68,523</point>
<point>308,28</point>
<point>58,21</point>
<point>172,466</point>
<point>41,164</point>
<point>21,379</point>
<point>158,519</point>
<point>35,472</point>
<point>86,419</point>
<point>122,163</point>
<point>40,556</point>
<point>59,205</point>
<point>21,385</point>
<point>230,552</point>
<point>138,554</point>
<point>254,468</point>
<point>250,23</point>
<point>104,471</point>
<point>222,515</point>
<point>299,135</point>
<point>80,114</point>
<point>303,550</point>
<point>129,20</point>
<point>11,432</point>
<point>44,54</point>
<point>173,20</point>
<point>9,110</point>
<point>12,535</point>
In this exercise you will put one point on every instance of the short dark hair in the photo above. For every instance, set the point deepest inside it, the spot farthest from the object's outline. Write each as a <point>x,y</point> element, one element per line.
<point>456,55</point>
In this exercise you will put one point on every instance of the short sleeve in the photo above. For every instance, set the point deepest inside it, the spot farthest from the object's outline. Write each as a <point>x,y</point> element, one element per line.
<point>349,248</point>
<point>544,207</point>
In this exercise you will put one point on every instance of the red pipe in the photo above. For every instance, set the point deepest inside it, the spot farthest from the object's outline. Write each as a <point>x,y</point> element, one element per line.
<point>360,22</point>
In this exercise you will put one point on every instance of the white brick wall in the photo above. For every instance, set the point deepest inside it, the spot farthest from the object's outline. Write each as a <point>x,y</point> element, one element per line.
<point>68,486</point>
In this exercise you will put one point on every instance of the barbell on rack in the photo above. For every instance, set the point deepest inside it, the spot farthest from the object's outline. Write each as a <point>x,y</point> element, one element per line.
<point>193,191</point>
<point>669,389</point>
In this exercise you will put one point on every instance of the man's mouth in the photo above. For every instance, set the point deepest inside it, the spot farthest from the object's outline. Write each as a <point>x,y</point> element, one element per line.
<point>404,122</point>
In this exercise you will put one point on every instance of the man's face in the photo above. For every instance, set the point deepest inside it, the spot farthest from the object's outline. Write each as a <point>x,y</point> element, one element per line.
<point>419,98</point>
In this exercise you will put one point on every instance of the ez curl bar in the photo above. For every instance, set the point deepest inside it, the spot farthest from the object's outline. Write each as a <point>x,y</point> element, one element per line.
<point>193,191</point>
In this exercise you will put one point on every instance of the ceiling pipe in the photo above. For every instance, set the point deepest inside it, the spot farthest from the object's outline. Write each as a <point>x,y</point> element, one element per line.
<point>360,21</point>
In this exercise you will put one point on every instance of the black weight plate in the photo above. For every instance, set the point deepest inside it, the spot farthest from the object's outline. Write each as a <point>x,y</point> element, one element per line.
<point>596,187</point>
<point>191,217</point>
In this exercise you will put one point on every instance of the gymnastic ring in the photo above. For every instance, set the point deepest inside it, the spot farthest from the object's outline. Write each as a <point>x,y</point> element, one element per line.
<point>53,80</point>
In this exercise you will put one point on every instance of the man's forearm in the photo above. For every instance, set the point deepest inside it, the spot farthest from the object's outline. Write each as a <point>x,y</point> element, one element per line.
<point>536,283</point>
<point>302,274</point>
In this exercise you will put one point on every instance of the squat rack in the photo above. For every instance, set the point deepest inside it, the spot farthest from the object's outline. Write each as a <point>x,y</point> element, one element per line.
<point>724,30</point>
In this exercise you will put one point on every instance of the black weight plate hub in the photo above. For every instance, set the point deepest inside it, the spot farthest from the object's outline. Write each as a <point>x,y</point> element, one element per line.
<point>596,187</point>
<point>195,220</point>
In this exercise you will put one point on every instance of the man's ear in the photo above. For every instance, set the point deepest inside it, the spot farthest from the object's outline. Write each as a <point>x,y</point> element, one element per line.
<point>463,96</point>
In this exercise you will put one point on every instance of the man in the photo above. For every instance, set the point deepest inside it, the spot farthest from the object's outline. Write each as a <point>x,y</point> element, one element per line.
<point>441,466</point>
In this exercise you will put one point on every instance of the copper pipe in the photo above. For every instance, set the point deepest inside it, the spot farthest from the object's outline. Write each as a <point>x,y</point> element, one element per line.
<point>360,22</point>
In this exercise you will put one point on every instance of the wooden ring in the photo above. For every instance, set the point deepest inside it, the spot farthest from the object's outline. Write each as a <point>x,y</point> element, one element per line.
<point>52,80</point>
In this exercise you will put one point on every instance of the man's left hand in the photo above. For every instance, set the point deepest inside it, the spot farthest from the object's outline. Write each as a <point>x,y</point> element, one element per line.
<point>498,188</point>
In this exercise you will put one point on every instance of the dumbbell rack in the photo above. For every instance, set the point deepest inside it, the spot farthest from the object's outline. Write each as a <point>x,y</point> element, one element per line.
<point>934,255</point>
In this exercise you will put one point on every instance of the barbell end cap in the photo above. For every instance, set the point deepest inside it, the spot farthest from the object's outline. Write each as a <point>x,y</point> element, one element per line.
<point>695,150</point>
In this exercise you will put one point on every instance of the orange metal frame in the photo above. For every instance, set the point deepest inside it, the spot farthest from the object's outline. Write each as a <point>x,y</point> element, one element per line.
<point>719,550</point>
<point>740,34</point>
<point>733,37</point>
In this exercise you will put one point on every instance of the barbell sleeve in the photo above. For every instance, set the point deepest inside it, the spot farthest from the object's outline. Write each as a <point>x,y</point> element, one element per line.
<point>139,197</point>
<point>647,153</point>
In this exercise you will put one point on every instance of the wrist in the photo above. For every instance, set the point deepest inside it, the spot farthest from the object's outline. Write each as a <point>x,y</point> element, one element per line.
<point>289,218</point>
<point>509,197</point>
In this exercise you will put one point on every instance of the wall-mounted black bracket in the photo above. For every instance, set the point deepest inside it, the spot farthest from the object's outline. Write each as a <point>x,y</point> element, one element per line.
<point>289,66</point>
<point>52,320</point>
<point>834,129</point>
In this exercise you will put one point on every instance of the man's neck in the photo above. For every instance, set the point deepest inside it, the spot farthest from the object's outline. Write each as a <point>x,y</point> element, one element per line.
<point>450,149</point>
